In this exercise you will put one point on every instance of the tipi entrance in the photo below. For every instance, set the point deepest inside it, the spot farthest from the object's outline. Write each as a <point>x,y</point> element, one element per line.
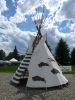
<point>24,77</point>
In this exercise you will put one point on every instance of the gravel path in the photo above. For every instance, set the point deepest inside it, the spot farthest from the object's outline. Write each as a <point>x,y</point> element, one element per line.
<point>9,92</point>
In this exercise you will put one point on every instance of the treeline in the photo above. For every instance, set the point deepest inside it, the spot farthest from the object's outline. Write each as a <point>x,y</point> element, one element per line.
<point>15,54</point>
<point>62,54</point>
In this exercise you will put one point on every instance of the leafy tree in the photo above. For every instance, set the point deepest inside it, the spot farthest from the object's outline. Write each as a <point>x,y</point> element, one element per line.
<point>21,57</point>
<point>2,55</point>
<point>62,53</point>
<point>73,57</point>
<point>15,53</point>
<point>10,56</point>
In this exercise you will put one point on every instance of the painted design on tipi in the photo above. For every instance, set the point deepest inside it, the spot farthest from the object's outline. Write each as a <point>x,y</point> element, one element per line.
<point>38,78</point>
<point>43,64</point>
<point>55,71</point>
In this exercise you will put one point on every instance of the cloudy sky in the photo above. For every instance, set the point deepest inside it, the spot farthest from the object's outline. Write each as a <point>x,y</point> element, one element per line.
<point>16,22</point>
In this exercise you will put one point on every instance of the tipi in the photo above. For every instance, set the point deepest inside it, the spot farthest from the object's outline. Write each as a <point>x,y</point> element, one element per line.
<point>39,65</point>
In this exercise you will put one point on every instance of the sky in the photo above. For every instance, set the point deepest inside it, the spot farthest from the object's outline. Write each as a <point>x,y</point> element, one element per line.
<point>17,22</point>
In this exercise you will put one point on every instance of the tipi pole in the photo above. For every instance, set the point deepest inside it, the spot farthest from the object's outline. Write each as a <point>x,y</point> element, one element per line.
<point>27,93</point>
<point>45,85</point>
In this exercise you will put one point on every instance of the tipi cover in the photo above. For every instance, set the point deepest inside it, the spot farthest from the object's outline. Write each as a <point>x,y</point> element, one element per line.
<point>42,68</point>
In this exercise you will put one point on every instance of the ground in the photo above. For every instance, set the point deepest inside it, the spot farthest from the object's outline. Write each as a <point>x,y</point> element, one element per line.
<point>9,92</point>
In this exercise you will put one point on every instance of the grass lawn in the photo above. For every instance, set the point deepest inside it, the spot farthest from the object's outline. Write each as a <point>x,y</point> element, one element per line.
<point>8,69</point>
<point>12,69</point>
<point>72,72</point>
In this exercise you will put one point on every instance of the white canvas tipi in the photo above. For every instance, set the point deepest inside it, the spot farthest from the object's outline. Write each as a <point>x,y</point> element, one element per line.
<point>38,65</point>
<point>42,68</point>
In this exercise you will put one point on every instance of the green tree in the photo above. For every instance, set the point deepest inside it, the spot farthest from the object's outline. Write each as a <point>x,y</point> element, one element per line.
<point>62,53</point>
<point>9,56</point>
<point>15,53</point>
<point>2,55</point>
<point>73,57</point>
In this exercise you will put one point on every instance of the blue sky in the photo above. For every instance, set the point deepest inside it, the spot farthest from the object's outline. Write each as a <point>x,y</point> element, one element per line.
<point>28,25</point>
<point>11,9</point>
<point>16,22</point>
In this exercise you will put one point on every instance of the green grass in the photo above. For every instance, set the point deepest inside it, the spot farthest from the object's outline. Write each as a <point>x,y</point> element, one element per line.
<point>12,69</point>
<point>71,72</point>
<point>8,69</point>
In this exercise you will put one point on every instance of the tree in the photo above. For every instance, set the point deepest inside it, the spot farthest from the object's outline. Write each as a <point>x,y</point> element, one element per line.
<point>73,57</point>
<point>10,56</point>
<point>15,53</point>
<point>21,57</point>
<point>2,55</point>
<point>62,53</point>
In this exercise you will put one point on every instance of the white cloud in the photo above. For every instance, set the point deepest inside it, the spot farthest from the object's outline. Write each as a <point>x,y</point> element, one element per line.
<point>68,9</point>
<point>20,38</point>
<point>70,39</point>
<point>3,6</point>
<point>72,27</point>
<point>55,15</point>
<point>11,35</point>
<point>18,17</point>
<point>28,6</point>
<point>24,7</point>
